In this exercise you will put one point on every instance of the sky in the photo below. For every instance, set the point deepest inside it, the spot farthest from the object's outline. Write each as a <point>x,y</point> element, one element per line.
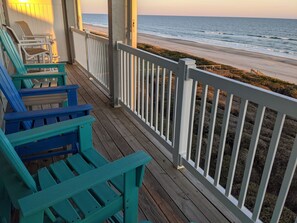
<point>227,8</point>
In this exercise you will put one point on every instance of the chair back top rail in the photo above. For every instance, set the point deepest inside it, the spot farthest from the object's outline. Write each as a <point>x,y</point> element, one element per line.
<point>11,51</point>
<point>272,100</point>
<point>14,56</point>
<point>25,28</point>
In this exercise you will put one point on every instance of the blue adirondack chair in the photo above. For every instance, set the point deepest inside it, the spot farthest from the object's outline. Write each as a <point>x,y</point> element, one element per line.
<point>84,188</point>
<point>21,119</point>
<point>22,69</point>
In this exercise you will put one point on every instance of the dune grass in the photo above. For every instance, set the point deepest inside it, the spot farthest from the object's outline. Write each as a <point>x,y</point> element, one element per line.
<point>263,81</point>
<point>284,148</point>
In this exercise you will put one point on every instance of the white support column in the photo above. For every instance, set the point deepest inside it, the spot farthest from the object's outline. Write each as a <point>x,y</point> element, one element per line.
<point>87,32</point>
<point>71,13</point>
<point>70,20</point>
<point>132,41</point>
<point>122,20</point>
<point>79,15</point>
<point>183,111</point>
<point>132,23</point>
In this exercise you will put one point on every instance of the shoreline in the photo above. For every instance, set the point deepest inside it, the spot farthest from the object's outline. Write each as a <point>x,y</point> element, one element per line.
<point>273,66</point>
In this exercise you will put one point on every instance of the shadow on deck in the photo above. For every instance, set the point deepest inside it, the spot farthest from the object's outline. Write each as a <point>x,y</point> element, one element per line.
<point>167,195</point>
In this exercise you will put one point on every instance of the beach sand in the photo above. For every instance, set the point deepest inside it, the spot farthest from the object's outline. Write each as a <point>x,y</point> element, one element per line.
<point>274,66</point>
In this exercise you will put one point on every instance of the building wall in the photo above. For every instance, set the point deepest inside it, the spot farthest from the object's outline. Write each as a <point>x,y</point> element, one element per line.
<point>43,16</point>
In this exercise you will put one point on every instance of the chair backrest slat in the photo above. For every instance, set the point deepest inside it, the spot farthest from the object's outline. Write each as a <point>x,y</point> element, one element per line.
<point>25,28</point>
<point>12,95</point>
<point>11,158</point>
<point>9,47</point>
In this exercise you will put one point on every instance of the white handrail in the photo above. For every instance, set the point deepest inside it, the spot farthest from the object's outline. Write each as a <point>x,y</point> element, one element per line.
<point>149,85</point>
<point>91,52</point>
<point>176,101</point>
<point>200,117</point>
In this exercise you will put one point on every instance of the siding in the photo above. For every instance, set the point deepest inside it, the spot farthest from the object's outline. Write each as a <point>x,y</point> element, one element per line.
<point>43,16</point>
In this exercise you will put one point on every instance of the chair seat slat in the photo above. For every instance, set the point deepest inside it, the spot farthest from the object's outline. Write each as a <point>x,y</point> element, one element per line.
<point>38,123</point>
<point>64,209</point>
<point>98,161</point>
<point>84,200</point>
<point>51,120</point>
<point>102,191</point>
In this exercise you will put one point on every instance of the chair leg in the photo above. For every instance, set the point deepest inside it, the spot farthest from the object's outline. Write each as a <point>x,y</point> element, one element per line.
<point>50,54</point>
<point>130,198</point>
<point>5,205</point>
<point>38,218</point>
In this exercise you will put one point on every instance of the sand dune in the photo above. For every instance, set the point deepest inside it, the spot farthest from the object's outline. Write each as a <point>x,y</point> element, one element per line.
<point>278,67</point>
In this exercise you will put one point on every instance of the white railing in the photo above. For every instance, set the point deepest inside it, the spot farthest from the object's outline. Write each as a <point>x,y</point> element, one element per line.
<point>228,134</point>
<point>91,52</point>
<point>80,49</point>
<point>149,86</point>
<point>235,109</point>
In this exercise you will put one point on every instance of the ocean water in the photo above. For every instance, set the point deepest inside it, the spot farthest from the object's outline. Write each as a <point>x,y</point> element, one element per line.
<point>270,36</point>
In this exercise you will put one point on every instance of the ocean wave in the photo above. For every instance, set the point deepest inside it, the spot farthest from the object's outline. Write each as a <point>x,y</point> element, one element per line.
<point>272,37</point>
<point>218,33</point>
<point>254,35</point>
<point>198,31</point>
<point>276,37</point>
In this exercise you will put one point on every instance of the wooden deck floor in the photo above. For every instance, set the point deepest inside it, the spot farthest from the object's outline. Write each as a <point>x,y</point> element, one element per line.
<point>167,194</point>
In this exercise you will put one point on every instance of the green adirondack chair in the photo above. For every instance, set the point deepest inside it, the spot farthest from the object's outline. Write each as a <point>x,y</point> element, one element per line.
<point>22,69</point>
<point>83,188</point>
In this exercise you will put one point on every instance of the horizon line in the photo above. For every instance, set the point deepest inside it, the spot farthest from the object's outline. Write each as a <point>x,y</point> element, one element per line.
<point>246,17</point>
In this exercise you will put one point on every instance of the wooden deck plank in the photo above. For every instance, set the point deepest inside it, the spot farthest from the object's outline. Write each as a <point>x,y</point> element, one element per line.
<point>168,195</point>
<point>112,152</point>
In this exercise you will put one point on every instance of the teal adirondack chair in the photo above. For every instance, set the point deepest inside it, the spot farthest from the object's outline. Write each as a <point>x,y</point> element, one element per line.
<point>83,188</point>
<point>22,69</point>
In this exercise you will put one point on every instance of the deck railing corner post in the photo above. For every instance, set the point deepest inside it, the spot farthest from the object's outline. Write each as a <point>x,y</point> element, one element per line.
<point>114,67</point>
<point>183,110</point>
<point>71,44</point>
<point>87,49</point>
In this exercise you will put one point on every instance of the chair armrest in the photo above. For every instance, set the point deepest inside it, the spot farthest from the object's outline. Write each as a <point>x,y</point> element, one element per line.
<point>51,90</point>
<point>46,113</point>
<point>40,35</point>
<point>37,76</point>
<point>25,41</point>
<point>60,66</point>
<point>30,43</point>
<point>41,200</point>
<point>47,131</point>
<point>17,78</point>
<point>35,36</point>
<point>71,91</point>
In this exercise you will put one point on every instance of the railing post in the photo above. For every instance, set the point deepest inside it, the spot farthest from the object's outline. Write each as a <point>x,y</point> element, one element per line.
<point>114,72</point>
<point>71,44</point>
<point>87,32</point>
<point>183,111</point>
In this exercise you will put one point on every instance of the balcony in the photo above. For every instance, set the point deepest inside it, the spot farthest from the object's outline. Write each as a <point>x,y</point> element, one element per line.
<point>217,144</point>
<point>167,195</point>
<point>216,128</point>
